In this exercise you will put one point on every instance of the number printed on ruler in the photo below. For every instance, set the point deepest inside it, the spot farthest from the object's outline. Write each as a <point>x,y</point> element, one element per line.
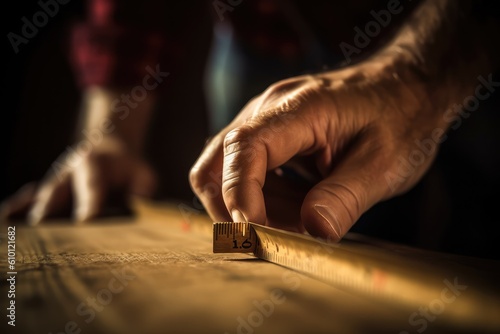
<point>234,238</point>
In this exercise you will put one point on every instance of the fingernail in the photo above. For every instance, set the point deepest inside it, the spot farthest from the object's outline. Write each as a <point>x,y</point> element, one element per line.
<point>238,216</point>
<point>327,214</point>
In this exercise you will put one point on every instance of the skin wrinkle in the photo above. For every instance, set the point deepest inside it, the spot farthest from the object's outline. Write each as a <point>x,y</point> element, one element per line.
<point>235,184</point>
<point>357,200</point>
<point>231,175</point>
<point>337,230</point>
<point>290,103</point>
<point>263,141</point>
<point>341,200</point>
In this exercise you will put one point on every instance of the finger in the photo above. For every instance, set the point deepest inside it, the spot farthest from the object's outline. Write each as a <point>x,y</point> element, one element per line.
<point>332,206</point>
<point>206,179</point>
<point>51,199</point>
<point>205,176</point>
<point>90,191</point>
<point>253,149</point>
<point>18,205</point>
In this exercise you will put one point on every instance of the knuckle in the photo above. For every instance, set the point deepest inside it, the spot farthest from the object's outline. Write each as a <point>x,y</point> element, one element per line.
<point>193,178</point>
<point>285,85</point>
<point>196,178</point>
<point>237,138</point>
<point>204,181</point>
<point>239,146</point>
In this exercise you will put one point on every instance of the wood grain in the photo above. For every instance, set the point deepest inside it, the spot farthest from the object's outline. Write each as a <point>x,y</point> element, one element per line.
<point>171,283</point>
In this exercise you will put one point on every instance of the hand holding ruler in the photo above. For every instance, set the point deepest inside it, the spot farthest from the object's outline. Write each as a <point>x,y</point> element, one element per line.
<point>393,274</point>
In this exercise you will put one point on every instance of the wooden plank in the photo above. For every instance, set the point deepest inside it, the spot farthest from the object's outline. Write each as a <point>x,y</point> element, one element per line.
<point>157,274</point>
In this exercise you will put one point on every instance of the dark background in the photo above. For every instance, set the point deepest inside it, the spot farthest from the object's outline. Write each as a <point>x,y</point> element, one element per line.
<point>39,98</point>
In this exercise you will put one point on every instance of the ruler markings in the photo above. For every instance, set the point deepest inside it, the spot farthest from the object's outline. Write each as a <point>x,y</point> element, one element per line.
<point>371,271</point>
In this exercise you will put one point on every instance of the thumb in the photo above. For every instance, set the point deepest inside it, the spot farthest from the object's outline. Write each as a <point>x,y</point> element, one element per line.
<point>332,206</point>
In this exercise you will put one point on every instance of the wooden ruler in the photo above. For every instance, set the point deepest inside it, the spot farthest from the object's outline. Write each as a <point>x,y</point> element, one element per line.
<point>395,274</point>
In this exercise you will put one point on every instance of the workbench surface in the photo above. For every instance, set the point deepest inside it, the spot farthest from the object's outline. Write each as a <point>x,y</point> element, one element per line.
<point>156,273</point>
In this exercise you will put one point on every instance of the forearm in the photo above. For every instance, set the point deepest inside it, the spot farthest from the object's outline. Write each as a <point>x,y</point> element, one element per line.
<point>447,45</point>
<point>441,59</point>
<point>114,115</point>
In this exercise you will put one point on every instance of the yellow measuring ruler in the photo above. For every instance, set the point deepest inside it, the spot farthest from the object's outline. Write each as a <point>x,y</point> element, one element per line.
<point>395,274</point>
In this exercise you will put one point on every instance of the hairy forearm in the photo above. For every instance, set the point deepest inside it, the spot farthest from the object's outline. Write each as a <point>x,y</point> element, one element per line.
<point>448,45</point>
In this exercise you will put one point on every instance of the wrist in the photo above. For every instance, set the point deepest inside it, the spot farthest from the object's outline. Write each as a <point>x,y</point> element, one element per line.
<point>419,81</point>
<point>108,120</point>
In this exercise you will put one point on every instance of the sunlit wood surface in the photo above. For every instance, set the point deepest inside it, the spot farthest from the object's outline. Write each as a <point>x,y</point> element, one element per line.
<point>170,282</point>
